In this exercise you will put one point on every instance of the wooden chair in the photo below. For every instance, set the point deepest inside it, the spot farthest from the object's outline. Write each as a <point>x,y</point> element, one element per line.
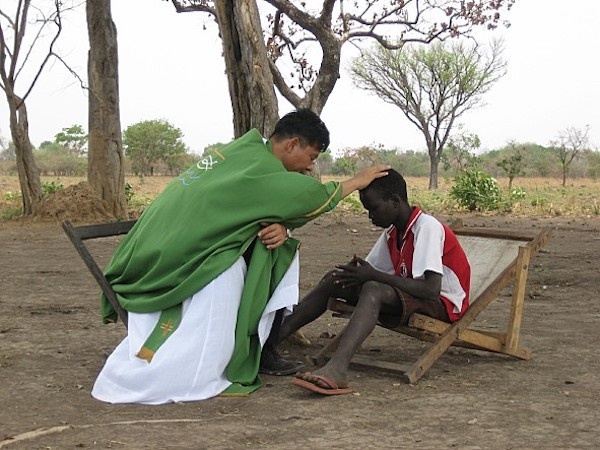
<point>497,259</point>
<point>79,234</point>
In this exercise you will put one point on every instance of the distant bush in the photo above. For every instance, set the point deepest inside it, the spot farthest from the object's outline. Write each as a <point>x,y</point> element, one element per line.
<point>476,190</point>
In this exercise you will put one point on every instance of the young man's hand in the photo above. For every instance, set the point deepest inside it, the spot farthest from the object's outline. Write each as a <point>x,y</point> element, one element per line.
<point>356,272</point>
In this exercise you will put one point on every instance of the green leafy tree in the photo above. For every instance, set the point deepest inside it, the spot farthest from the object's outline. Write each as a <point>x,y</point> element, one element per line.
<point>74,139</point>
<point>432,86</point>
<point>512,164</point>
<point>151,141</point>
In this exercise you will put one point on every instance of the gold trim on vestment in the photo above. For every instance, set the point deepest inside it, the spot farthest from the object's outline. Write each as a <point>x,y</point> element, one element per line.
<point>320,208</point>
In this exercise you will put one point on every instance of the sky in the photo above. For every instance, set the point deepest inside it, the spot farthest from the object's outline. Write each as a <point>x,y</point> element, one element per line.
<point>171,68</point>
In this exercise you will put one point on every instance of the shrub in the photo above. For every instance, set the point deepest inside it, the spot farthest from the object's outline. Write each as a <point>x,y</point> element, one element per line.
<point>50,187</point>
<point>476,190</point>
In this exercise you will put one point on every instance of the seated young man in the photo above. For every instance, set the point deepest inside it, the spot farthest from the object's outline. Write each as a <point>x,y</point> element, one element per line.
<point>416,266</point>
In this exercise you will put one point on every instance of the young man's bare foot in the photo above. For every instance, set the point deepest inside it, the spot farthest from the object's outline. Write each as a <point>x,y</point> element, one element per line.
<point>323,381</point>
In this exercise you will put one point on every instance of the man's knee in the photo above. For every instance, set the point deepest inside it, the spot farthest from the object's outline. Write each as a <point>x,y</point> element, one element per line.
<point>328,279</point>
<point>377,292</point>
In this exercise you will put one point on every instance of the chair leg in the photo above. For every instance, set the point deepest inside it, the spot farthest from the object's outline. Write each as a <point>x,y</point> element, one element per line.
<point>518,299</point>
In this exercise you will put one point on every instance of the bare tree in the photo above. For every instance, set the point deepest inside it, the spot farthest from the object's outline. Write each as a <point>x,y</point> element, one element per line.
<point>17,53</point>
<point>569,144</point>
<point>293,29</point>
<point>106,163</point>
<point>432,86</point>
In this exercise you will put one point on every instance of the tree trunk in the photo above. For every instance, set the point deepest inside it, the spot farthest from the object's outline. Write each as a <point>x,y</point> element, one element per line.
<point>251,88</point>
<point>434,162</point>
<point>29,174</point>
<point>106,169</point>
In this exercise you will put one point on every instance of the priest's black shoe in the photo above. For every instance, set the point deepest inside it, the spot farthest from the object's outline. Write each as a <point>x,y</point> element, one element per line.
<point>271,363</point>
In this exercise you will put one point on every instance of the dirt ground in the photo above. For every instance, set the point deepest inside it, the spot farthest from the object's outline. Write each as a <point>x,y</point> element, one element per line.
<point>52,346</point>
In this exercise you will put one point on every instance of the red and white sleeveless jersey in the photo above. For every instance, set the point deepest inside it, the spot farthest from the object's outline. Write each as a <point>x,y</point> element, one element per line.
<point>427,244</point>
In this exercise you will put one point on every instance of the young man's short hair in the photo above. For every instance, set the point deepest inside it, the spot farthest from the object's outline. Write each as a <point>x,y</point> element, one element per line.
<point>393,184</point>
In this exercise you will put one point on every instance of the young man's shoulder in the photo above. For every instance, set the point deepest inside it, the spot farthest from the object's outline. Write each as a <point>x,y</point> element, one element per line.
<point>426,220</point>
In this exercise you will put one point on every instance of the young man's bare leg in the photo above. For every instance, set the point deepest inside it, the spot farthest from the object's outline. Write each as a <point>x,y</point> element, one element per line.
<point>311,307</point>
<point>374,298</point>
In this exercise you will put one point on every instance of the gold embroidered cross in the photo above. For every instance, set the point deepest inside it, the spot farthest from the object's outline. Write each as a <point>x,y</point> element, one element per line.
<point>167,327</point>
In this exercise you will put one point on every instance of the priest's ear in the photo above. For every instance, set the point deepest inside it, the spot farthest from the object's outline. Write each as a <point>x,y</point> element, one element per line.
<point>293,143</point>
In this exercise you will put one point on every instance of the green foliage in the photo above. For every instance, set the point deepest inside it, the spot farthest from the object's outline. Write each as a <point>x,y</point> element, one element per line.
<point>592,160</point>
<point>56,159</point>
<point>129,193</point>
<point>411,163</point>
<point>512,164</point>
<point>324,162</point>
<point>74,138</point>
<point>539,201</point>
<point>152,141</point>
<point>177,163</point>
<point>432,201</point>
<point>344,165</point>
<point>476,190</point>
<point>353,203</point>
<point>459,153</point>
<point>432,85</point>
<point>9,213</point>
<point>50,187</point>
<point>12,196</point>
<point>517,193</point>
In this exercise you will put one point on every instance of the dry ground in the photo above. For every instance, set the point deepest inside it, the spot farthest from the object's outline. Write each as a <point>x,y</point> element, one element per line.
<point>52,346</point>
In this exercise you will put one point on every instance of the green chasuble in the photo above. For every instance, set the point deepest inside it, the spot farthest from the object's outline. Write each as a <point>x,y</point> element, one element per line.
<point>199,226</point>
